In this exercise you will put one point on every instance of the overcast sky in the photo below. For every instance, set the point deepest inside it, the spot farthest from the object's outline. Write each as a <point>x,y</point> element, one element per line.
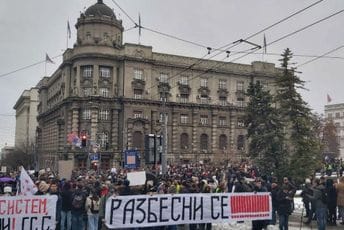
<point>31,28</point>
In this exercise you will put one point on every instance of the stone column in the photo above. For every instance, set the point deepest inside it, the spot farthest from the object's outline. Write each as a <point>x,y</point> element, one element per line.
<point>195,135</point>
<point>232,134</point>
<point>94,122</point>
<point>77,90</point>
<point>114,132</point>
<point>95,79</point>
<point>214,135</point>
<point>175,135</point>
<point>75,120</point>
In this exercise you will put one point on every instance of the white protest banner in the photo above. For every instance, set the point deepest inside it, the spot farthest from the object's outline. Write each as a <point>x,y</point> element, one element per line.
<point>27,212</point>
<point>174,209</point>
<point>136,178</point>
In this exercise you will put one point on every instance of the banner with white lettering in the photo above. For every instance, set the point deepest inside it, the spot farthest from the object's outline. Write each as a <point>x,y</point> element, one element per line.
<point>173,209</point>
<point>28,212</point>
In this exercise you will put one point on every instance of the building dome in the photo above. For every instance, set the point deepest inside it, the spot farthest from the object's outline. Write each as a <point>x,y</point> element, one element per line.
<point>100,9</point>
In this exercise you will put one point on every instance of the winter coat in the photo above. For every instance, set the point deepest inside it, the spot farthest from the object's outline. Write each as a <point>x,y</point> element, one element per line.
<point>340,194</point>
<point>66,200</point>
<point>284,203</point>
<point>317,197</point>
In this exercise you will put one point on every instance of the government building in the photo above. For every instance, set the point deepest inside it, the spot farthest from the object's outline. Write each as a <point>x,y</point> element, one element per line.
<point>115,95</point>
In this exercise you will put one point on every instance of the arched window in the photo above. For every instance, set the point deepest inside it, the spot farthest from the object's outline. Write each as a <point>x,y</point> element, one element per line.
<point>204,142</point>
<point>138,140</point>
<point>223,142</point>
<point>184,141</point>
<point>241,142</point>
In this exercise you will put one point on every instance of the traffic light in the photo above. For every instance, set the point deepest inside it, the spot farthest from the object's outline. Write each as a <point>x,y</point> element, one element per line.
<point>83,140</point>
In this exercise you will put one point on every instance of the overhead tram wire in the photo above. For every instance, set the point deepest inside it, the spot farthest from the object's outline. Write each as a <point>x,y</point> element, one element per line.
<point>294,32</point>
<point>130,18</point>
<point>235,43</point>
<point>316,58</point>
<point>26,67</point>
<point>294,55</point>
<point>273,42</point>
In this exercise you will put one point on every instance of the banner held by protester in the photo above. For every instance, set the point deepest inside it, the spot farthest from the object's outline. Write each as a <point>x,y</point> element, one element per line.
<point>27,212</point>
<point>174,209</point>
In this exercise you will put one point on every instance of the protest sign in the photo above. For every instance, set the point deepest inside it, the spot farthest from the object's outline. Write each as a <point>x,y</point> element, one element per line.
<point>174,209</point>
<point>27,212</point>
<point>136,178</point>
<point>65,169</point>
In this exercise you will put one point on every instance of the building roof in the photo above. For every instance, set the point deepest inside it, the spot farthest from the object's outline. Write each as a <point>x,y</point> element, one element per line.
<point>100,9</point>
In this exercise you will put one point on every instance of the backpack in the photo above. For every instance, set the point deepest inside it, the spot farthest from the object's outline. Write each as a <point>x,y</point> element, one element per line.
<point>77,201</point>
<point>94,208</point>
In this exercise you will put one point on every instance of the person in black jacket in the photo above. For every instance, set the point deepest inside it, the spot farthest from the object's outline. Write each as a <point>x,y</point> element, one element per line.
<point>284,207</point>
<point>331,202</point>
<point>259,224</point>
<point>66,215</point>
<point>78,208</point>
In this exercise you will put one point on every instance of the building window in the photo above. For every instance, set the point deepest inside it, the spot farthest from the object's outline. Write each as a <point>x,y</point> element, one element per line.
<point>138,114</point>
<point>106,36</point>
<point>241,142</point>
<point>184,98</point>
<point>223,142</point>
<point>138,140</point>
<point>337,115</point>
<point>183,119</point>
<point>88,36</point>
<point>329,115</point>
<point>87,92</point>
<point>184,141</point>
<point>104,92</point>
<point>204,120</point>
<point>138,93</point>
<point>86,114</point>
<point>104,114</point>
<point>138,74</point>
<point>204,142</point>
<point>223,101</point>
<point>163,78</point>
<point>161,118</point>
<point>241,123</point>
<point>103,140</point>
<point>184,80</point>
<point>240,102</point>
<point>240,86</point>
<point>204,99</point>
<point>222,84</point>
<point>204,82</point>
<point>87,71</point>
<point>222,121</point>
<point>104,72</point>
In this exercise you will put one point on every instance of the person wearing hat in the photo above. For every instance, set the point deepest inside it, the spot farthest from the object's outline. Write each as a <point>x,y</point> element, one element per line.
<point>8,191</point>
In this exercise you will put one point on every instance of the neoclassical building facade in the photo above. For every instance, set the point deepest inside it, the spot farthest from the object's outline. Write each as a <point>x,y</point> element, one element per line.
<point>113,93</point>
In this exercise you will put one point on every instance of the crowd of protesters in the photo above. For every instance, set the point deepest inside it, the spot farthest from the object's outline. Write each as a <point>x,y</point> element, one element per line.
<point>81,200</point>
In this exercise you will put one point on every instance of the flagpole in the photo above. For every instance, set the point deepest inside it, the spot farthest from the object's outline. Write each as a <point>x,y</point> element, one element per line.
<point>45,68</point>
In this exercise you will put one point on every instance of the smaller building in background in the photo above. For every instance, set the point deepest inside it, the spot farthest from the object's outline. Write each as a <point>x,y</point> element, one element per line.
<point>6,150</point>
<point>335,112</point>
<point>26,120</point>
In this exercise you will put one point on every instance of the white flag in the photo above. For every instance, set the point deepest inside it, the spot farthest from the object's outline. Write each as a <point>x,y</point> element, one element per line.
<point>27,187</point>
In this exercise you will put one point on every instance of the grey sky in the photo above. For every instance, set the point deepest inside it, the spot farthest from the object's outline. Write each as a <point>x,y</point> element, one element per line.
<point>31,28</point>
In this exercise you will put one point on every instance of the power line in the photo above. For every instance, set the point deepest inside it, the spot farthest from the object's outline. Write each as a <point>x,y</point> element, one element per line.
<point>294,32</point>
<point>130,18</point>
<point>26,67</point>
<point>235,43</point>
<point>316,58</point>
<point>273,42</point>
